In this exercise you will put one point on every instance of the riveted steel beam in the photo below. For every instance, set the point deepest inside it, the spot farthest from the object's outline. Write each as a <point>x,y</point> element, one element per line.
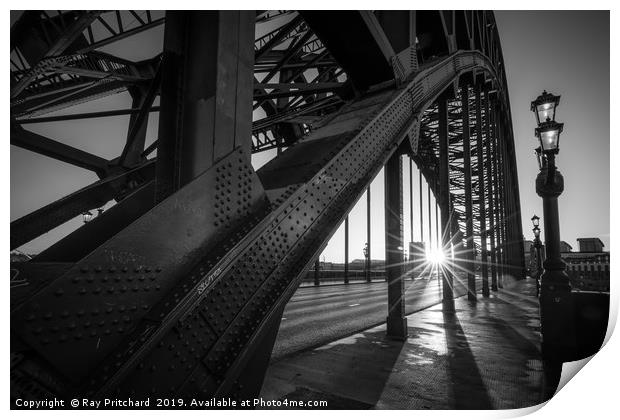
<point>216,276</point>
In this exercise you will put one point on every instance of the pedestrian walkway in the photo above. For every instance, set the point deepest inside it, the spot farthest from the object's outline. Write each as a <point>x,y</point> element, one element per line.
<point>482,356</point>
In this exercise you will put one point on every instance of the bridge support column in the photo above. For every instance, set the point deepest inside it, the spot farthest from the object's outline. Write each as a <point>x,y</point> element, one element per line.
<point>499,238</point>
<point>488,126</point>
<point>206,93</point>
<point>444,201</point>
<point>469,223</point>
<point>368,246</point>
<point>501,171</point>
<point>481,193</point>
<point>421,209</point>
<point>396,321</point>
<point>346,250</point>
<point>317,269</point>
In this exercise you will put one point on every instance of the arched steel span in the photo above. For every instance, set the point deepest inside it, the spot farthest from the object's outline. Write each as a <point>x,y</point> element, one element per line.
<point>178,289</point>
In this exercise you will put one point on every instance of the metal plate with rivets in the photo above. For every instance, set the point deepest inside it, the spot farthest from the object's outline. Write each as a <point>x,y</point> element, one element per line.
<point>82,316</point>
<point>245,296</point>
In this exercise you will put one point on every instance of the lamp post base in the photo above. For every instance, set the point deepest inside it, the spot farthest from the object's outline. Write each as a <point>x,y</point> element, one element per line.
<point>556,315</point>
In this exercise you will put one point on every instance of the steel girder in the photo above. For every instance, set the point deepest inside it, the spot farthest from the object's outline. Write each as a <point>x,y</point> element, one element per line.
<point>221,308</point>
<point>201,294</point>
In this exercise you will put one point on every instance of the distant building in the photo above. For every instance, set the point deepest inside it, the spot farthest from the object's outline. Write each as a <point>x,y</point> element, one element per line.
<point>590,245</point>
<point>360,264</point>
<point>330,272</point>
<point>565,247</point>
<point>588,269</point>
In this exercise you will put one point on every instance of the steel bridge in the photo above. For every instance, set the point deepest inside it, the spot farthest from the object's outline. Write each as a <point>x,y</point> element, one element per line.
<point>178,289</point>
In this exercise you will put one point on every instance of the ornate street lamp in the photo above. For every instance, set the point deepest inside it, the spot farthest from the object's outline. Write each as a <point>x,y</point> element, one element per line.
<point>548,133</point>
<point>556,304</point>
<point>367,262</point>
<point>535,221</point>
<point>544,107</point>
<point>539,158</point>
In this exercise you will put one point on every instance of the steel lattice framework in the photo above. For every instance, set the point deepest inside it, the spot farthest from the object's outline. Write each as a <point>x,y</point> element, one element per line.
<point>178,289</point>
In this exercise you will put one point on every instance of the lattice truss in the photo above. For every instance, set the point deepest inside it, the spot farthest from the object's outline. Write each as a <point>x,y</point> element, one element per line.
<point>427,159</point>
<point>194,278</point>
<point>59,61</point>
<point>63,65</point>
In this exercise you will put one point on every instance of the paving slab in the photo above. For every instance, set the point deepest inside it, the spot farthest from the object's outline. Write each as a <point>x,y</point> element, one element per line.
<point>481,356</point>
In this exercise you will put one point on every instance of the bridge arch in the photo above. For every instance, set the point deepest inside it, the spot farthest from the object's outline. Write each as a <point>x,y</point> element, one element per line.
<point>193,310</point>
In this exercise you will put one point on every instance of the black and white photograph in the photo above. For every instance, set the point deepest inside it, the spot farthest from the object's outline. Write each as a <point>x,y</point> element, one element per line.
<point>309,209</point>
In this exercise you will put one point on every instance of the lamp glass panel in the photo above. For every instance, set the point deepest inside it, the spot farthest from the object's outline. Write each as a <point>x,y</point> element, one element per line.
<point>546,110</point>
<point>549,139</point>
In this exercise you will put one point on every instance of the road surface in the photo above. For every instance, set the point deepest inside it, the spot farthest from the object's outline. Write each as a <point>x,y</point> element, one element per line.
<point>317,315</point>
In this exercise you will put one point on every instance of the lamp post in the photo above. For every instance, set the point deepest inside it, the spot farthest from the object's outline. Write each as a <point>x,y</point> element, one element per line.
<point>555,295</point>
<point>537,246</point>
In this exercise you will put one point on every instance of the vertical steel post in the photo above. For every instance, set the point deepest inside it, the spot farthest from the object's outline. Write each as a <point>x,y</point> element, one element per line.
<point>481,194</point>
<point>469,223</point>
<point>368,255</point>
<point>410,200</point>
<point>346,250</point>
<point>497,138</point>
<point>135,146</point>
<point>438,242</point>
<point>206,93</point>
<point>421,210</point>
<point>504,216</point>
<point>393,187</point>
<point>411,262</point>
<point>317,267</point>
<point>444,199</point>
<point>430,227</point>
<point>488,109</point>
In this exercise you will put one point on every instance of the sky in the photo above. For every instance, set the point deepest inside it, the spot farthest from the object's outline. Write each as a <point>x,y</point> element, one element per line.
<point>566,53</point>
<point>542,50</point>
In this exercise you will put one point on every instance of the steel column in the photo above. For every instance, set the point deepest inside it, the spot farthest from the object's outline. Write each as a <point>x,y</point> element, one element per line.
<point>444,199</point>
<point>346,250</point>
<point>488,109</point>
<point>421,213</point>
<point>368,255</point>
<point>469,223</point>
<point>206,93</point>
<point>499,199</point>
<point>317,269</point>
<point>410,200</point>
<point>502,186</point>
<point>430,227</point>
<point>481,194</point>
<point>393,184</point>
